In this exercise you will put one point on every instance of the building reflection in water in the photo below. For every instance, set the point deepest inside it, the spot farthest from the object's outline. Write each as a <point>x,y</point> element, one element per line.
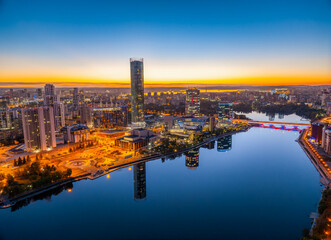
<point>192,158</point>
<point>224,144</point>
<point>139,177</point>
<point>271,116</point>
<point>210,145</point>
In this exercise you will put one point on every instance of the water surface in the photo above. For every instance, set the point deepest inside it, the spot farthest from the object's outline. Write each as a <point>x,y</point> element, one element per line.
<point>254,185</point>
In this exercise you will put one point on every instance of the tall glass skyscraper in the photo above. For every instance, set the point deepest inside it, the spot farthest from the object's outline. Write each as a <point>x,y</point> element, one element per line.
<point>225,111</point>
<point>137,90</point>
<point>192,105</point>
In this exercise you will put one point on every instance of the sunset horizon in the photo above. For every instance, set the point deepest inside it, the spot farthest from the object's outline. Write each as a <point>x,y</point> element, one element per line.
<point>177,119</point>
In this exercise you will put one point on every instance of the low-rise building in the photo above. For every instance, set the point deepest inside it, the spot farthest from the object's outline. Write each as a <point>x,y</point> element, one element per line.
<point>75,133</point>
<point>137,139</point>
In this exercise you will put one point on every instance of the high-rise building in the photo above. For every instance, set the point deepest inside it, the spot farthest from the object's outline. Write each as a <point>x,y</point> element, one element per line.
<point>225,111</point>
<point>211,124</point>
<point>192,104</point>
<point>59,116</point>
<point>39,93</point>
<point>75,97</point>
<point>6,119</point>
<point>49,97</point>
<point>49,89</point>
<point>38,128</point>
<point>137,90</point>
<point>51,100</point>
<point>139,177</point>
<point>85,112</point>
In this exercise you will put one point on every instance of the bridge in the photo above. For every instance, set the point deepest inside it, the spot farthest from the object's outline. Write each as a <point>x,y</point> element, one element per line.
<point>272,123</point>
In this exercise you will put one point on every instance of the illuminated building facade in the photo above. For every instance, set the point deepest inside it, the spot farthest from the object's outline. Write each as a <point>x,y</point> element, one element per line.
<point>139,177</point>
<point>75,133</point>
<point>326,139</point>
<point>317,131</point>
<point>138,138</point>
<point>224,144</point>
<point>85,113</point>
<point>137,90</point>
<point>38,128</point>
<point>225,111</point>
<point>192,103</point>
<point>7,119</point>
<point>110,117</point>
<point>49,98</point>
<point>75,98</point>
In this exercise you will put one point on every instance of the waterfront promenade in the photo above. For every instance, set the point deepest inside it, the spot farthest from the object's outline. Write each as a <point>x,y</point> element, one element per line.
<point>321,166</point>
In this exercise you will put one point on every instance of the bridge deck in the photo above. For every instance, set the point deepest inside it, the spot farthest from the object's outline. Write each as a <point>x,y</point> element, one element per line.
<point>270,122</point>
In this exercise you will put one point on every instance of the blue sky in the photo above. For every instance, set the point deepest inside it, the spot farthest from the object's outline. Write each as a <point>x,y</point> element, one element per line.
<point>228,39</point>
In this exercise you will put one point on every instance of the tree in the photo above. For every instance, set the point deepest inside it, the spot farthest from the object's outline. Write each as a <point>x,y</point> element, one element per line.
<point>19,161</point>
<point>2,176</point>
<point>35,168</point>
<point>10,180</point>
<point>68,172</point>
<point>28,159</point>
<point>15,163</point>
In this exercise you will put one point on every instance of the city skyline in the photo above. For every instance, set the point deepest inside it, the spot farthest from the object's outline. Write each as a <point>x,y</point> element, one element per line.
<point>256,43</point>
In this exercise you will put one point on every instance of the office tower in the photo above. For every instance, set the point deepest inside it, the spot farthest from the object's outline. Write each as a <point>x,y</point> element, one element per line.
<point>324,97</point>
<point>139,177</point>
<point>225,111</point>
<point>50,98</point>
<point>211,124</point>
<point>85,112</point>
<point>39,93</point>
<point>7,119</point>
<point>137,90</point>
<point>38,128</point>
<point>59,116</point>
<point>192,158</point>
<point>192,104</point>
<point>49,89</point>
<point>224,144</point>
<point>11,92</point>
<point>75,97</point>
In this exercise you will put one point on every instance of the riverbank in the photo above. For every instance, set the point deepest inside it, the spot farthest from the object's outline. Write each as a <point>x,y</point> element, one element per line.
<point>12,201</point>
<point>320,228</point>
<point>315,158</point>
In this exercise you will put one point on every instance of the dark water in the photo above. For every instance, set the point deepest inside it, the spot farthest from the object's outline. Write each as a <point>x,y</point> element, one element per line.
<point>255,185</point>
